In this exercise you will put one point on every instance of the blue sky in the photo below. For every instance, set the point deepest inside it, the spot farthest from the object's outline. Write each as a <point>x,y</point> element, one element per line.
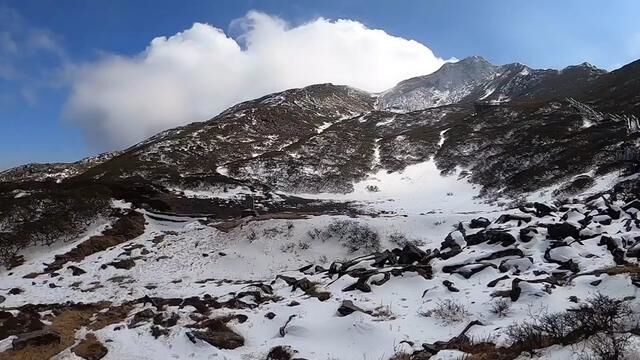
<point>45,40</point>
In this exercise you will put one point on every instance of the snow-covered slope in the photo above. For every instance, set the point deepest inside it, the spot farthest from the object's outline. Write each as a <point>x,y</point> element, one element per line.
<point>427,266</point>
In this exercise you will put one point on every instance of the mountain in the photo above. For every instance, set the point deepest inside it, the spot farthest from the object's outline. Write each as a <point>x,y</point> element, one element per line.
<point>475,79</point>
<point>55,171</point>
<point>426,222</point>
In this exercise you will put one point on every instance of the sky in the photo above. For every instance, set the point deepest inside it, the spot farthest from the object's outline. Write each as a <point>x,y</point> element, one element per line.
<point>82,77</point>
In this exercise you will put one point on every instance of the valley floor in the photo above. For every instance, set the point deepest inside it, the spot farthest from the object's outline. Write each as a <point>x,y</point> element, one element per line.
<point>433,264</point>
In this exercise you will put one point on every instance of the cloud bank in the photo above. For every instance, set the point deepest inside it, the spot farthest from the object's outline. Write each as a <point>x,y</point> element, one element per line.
<point>195,74</point>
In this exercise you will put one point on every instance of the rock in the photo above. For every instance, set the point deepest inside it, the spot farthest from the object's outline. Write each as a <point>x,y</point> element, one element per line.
<point>504,218</point>
<point>491,237</point>
<point>495,282</point>
<point>527,234</point>
<point>125,264</point>
<point>23,322</point>
<point>595,283</point>
<point>76,271</point>
<point>542,209</point>
<point>36,338</point>
<point>293,303</point>
<point>521,264</point>
<point>170,321</point>
<point>480,222</point>
<point>141,316</point>
<point>16,291</point>
<point>514,294</point>
<point>270,315</point>
<point>454,239</point>
<point>221,337</point>
<point>466,270</point>
<point>90,348</point>
<point>157,331</point>
<point>562,230</point>
<point>602,219</point>
<point>197,303</point>
<point>347,308</point>
<point>449,285</point>
<point>280,353</point>
<point>502,253</point>
<point>2,299</point>
<point>410,254</point>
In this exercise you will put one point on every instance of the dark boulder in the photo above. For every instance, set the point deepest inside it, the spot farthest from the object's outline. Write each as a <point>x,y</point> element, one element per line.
<point>480,222</point>
<point>125,264</point>
<point>542,209</point>
<point>560,231</point>
<point>450,286</point>
<point>527,234</point>
<point>76,271</point>
<point>410,254</point>
<point>504,218</point>
<point>36,338</point>
<point>347,308</point>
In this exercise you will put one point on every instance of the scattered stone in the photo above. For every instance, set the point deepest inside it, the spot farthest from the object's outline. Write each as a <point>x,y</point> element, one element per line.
<point>76,271</point>
<point>347,308</point>
<point>125,264</point>
<point>16,291</point>
<point>280,353</point>
<point>157,331</point>
<point>270,315</point>
<point>449,285</point>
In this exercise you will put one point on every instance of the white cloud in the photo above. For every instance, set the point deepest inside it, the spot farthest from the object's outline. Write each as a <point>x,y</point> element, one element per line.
<point>195,74</point>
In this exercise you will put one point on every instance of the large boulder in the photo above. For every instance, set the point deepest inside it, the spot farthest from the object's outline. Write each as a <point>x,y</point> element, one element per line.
<point>561,231</point>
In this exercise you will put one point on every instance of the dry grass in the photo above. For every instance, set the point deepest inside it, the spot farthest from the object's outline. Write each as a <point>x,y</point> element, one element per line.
<point>66,324</point>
